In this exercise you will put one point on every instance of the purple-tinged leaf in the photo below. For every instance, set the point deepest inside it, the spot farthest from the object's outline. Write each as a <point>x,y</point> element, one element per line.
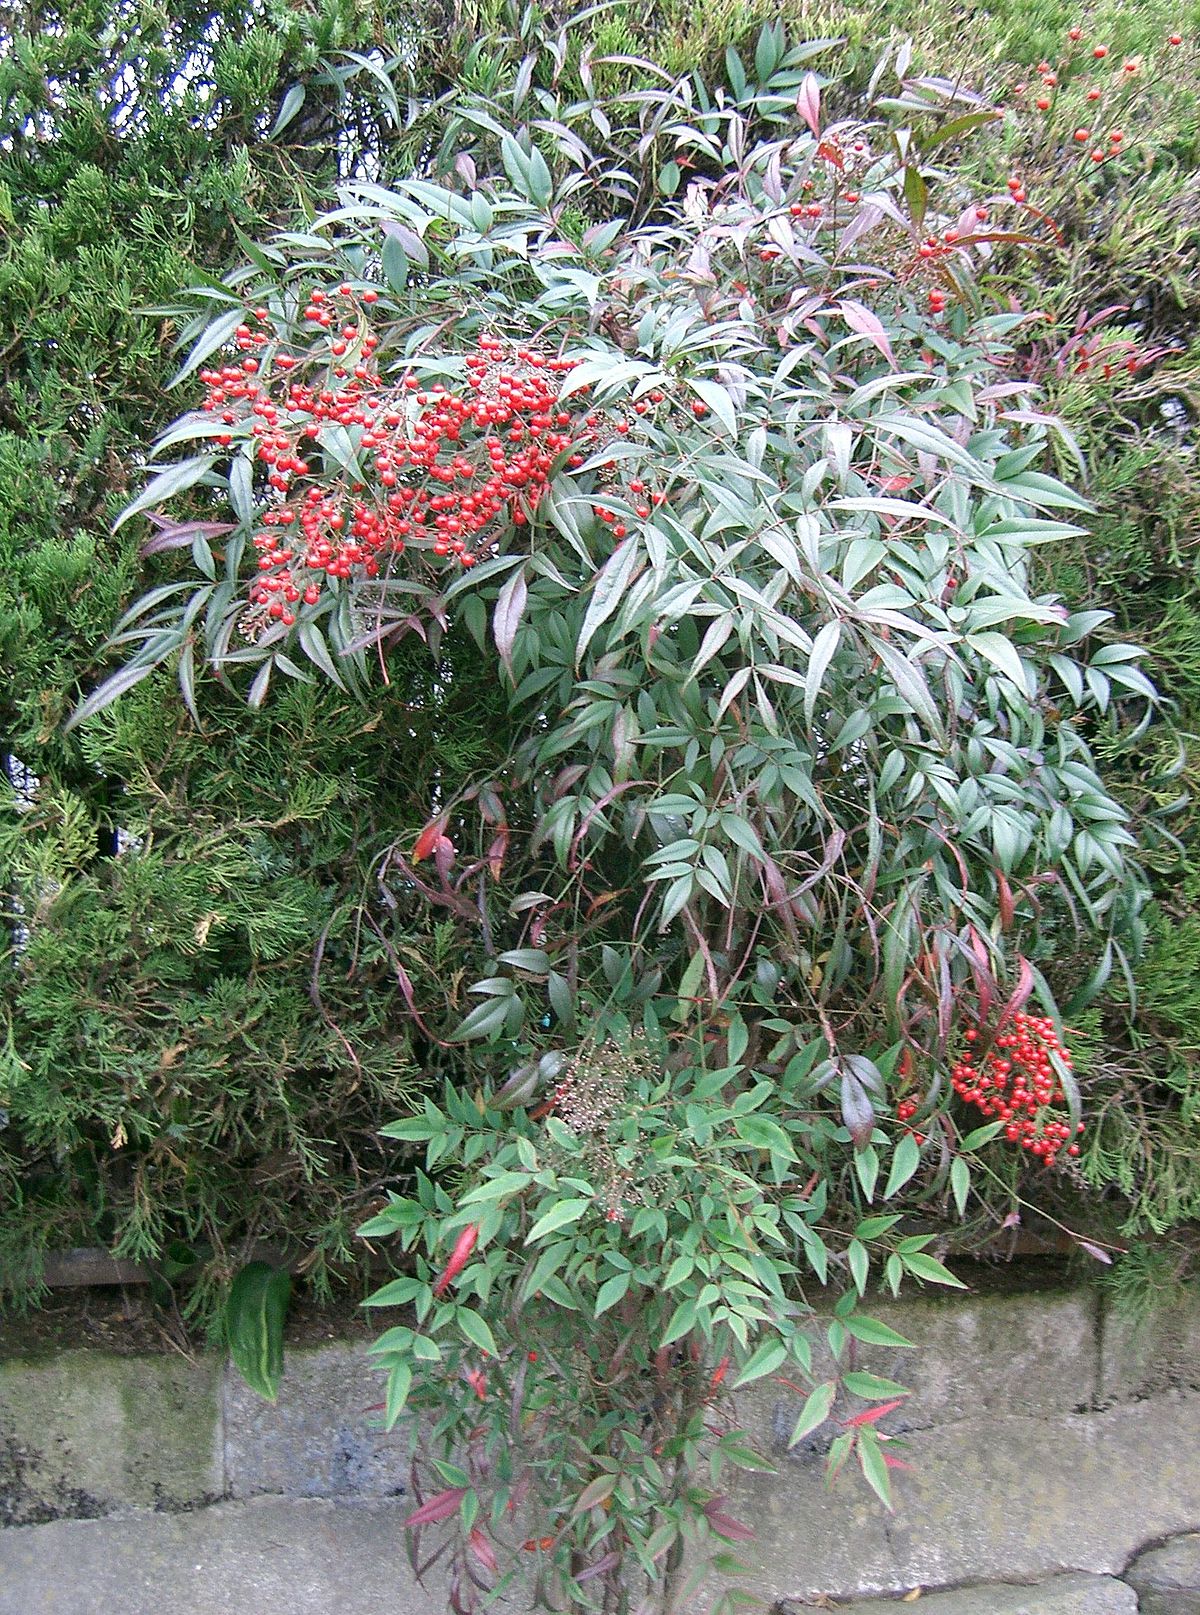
<point>438,1507</point>
<point>861,320</point>
<point>506,617</point>
<point>808,102</point>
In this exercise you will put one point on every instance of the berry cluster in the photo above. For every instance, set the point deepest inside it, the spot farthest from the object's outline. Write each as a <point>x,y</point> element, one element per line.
<point>905,1111</point>
<point>1054,94</point>
<point>446,465</point>
<point>933,253</point>
<point>1014,1080</point>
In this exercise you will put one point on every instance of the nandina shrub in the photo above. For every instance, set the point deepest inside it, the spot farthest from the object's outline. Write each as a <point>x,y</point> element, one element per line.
<point>739,488</point>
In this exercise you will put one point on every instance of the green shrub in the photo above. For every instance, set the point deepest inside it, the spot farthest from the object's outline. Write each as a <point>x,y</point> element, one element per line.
<point>798,814</point>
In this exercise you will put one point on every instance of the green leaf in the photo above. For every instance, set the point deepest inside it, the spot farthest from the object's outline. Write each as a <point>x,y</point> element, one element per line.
<point>769,1356</point>
<point>497,1188</point>
<point>905,1161</point>
<point>485,1020</point>
<point>612,580</point>
<point>289,107</point>
<point>744,1457</point>
<point>399,1383</point>
<point>476,1329</point>
<point>106,693</point>
<point>315,646</point>
<point>214,335</point>
<point>927,1267</point>
<point>171,480</point>
<point>910,685</point>
<point>395,263</point>
<point>414,1129</point>
<point>873,1333</point>
<point>823,650</point>
<point>681,1268</point>
<point>1002,654</point>
<point>960,1183</point>
<point>541,183</point>
<point>875,1470</point>
<point>254,1313</point>
<point>718,401</point>
<point>872,1387</point>
<point>866,1165</point>
<point>612,1291</point>
<point>558,1216</point>
<point>980,1136</point>
<point>682,1319</point>
<point>762,1134</point>
<point>815,1411</point>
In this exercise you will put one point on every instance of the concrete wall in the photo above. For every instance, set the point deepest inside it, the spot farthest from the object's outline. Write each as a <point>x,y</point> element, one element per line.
<point>1046,1436</point>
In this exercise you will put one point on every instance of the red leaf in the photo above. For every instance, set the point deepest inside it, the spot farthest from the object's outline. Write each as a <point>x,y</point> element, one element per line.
<point>871,1415</point>
<point>438,1507</point>
<point>459,1257</point>
<point>1004,900</point>
<point>719,1372</point>
<point>1094,1250</point>
<point>725,1525</point>
<point>1021,992</point>
<point>495,853</point>
<point>429,838</point>
<point>443,856</point>
<point>858,1113</point>
<point>981,970</point>
<point>483,1551</point>
<point>608,1562</point>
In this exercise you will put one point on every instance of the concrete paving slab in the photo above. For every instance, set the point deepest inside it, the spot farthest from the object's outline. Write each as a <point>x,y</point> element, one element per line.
<point>321,1438</point>
<point>986,1501</point>
<point>1167,1579</point>
<point>1063,1595</point>
<point>269,1556</point>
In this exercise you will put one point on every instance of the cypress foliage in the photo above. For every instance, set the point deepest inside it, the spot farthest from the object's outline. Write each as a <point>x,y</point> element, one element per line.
<point>184,1063</point>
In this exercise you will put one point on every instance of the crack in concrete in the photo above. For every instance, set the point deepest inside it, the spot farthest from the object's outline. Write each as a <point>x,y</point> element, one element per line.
<point>791,1606</point>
